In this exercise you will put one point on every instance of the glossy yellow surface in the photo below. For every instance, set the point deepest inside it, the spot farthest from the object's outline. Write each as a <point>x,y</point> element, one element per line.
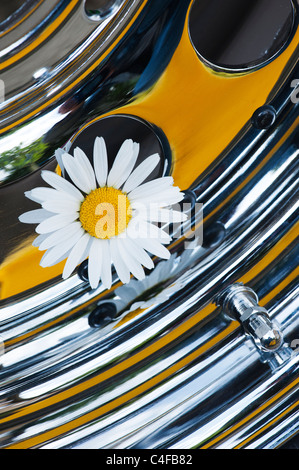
<point>21,270</point>
<point>199,111</point>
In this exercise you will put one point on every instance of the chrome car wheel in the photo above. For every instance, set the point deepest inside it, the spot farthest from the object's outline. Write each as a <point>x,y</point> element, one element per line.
<point>204,354</point>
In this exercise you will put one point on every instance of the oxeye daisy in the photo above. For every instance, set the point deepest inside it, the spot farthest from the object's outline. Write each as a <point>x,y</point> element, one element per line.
<point>106,216</point>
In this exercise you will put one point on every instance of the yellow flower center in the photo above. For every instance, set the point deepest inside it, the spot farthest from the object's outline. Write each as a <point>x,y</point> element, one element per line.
<point>105,213</point>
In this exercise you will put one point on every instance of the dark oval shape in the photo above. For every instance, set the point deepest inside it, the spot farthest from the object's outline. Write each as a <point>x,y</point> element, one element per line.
<point>100,9</point>
<point>102,315</point>
<point>115,129</point>
<point>213,235</point>
<point>83,271</point>
<point>234,35</point>
<point>264,117</point>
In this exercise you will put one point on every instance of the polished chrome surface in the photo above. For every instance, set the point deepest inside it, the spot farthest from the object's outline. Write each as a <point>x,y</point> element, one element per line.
<point>171,370</point>
<point>240,303</point>
<point>43,104</point>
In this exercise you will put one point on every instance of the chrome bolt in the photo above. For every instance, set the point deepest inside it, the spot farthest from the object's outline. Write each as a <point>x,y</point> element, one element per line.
<point>240,303</point>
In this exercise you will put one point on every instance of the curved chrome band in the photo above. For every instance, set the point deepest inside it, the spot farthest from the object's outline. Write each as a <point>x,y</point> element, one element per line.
<point>179,374</point>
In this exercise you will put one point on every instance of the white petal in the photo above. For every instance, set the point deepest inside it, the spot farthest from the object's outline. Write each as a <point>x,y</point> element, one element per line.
<point>61,235</point>
<point>131,262</point>
<point>106,273</point>
<point>95,262</point>
<point>62,258</point>
<point>152,187</point>
<point>56,252</point>
<point>75,173</point>
<point>46,194</point>
<point>100,161</point>
<point>45,263</point>
<point>138,253</point>
<point>86,166</point>
<point>85,253</point>
<point>67,146</point>
<point>63,206</point>
<point>120,266</point>
<point>75,255</point>
<point>29,195</point>
<point>127,170</point>
<point>58,155</point>
<point>122,160</point>
<point>61,184</point>
<point>56,222</point>
<point>163,198</point>
<point>154,247</point>
<point>141,173</point>
<point>35,217</point>
<point>38,240</point>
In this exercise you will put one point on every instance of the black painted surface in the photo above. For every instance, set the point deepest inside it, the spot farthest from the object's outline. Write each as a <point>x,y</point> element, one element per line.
<point>236,34</point>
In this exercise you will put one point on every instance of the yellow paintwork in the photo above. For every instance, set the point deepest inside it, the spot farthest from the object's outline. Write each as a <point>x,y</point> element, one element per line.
<point>199,111</point>
<point>21,270</point>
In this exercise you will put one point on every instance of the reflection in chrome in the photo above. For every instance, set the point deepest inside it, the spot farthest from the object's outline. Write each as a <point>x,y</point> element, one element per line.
<point>156,288</point>
<point>100,9</point>
<point>2,347</point>
<point>178,373</point>
<point>32,87</point>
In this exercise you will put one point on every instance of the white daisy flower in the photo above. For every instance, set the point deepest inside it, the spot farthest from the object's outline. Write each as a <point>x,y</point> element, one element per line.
<point>106,216</point>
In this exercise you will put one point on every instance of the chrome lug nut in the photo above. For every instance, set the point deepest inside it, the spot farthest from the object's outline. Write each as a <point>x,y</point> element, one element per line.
<point>240,303</point>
